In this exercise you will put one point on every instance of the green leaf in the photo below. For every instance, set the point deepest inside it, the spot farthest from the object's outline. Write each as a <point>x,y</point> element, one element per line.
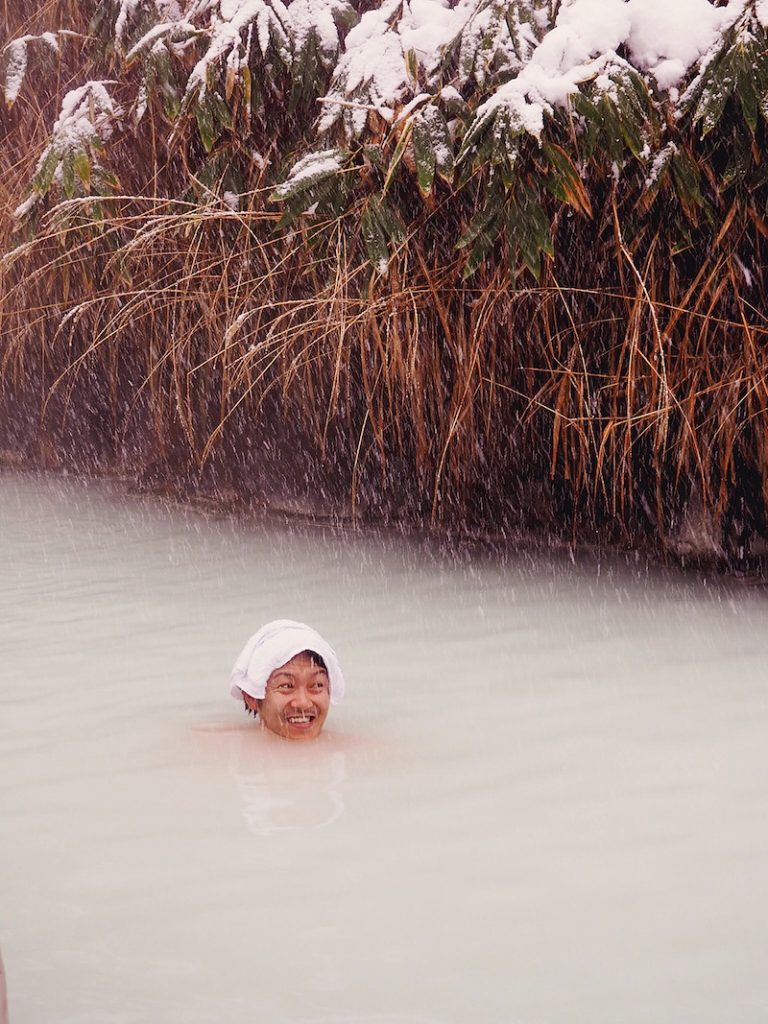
<point>506,163</point>
<point>659,170</point>
<point>747,95</point>
<point>388,219</point>
<point>715,94</point>
<point>308,173</point>
<point>397,156</point>
<point>222,115</point>
<point>613,137</point>
<point>44,177</point>
<point>68,174</point>
<point>374,241</point>
<point>478,224</point>
<point>482,246</point>
<point>205,126</point>
<point>374,156</point>
<point>440,138</point>
<point>412,65</point>
<point>473,137</point>
<point>687,178</point>
<point>528,230</point>
<point>83,168</point>
<point>424,155</point>
<point>563,179</point>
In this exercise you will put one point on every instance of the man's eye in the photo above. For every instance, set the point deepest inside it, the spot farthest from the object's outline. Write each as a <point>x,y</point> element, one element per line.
<point>285,686</point>
<point>319,685</point>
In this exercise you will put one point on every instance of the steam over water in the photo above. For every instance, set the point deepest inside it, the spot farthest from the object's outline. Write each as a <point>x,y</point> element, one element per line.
<point>543,800</point>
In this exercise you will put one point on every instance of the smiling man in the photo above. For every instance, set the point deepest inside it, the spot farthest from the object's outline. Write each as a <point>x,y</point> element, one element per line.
<point>288,675</point>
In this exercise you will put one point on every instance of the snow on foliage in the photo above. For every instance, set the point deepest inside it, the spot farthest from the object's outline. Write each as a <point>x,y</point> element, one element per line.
<point>527,56</point>
<point>580,47</point>
<point>84,124</point>
<point>15,68</point>
<point>15,62</point>
<point>87,116</point>
<point>310,170</point>
<point>128,11</point>
<point>437,85</point>
<point>320,18</point>
<point>231,28</point>
<point>667,39</point>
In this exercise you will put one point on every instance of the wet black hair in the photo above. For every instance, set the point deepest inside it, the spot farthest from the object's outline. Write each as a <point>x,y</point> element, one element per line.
<point>315,658</point>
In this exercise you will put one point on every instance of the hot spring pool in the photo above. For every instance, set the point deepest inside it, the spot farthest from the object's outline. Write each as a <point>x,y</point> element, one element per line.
<point>543,800</point>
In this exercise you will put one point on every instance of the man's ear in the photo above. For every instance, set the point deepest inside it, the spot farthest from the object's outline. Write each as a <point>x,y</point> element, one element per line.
<point>252,703</point>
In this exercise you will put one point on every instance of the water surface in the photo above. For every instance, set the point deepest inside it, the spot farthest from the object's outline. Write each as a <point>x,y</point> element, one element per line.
<point>542,801</point>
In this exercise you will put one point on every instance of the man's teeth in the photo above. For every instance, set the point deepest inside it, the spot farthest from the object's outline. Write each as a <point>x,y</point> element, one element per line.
<point>299,719</point>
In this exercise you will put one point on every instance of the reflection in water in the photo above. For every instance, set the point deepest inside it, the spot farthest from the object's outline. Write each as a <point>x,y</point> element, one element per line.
<point>286,786</point>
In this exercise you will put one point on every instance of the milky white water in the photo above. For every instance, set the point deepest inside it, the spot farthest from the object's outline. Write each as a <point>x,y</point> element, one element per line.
<point>543,800</point>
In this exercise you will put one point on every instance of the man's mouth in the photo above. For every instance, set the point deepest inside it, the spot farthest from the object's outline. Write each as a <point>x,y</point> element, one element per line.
<point>300,719</point>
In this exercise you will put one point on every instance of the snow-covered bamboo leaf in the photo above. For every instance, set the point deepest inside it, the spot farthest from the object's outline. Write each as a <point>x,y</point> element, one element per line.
<point>440,137</point>
<point>473,136</point>
<point>659,171</point>
<point>452,101</point>
<point>423,155</point>
<point>86,118</point>
<point>715,94</point>
<point>46,169</point>
<point>15,68</point>
<point>309,172</point>
<point>155,38</point>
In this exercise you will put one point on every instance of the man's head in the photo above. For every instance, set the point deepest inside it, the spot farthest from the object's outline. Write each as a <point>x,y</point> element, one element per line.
<point>288,675</point>
<point>296,699</point>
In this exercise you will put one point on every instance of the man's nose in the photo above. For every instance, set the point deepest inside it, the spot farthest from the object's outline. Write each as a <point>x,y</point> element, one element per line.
<point>301,699</point>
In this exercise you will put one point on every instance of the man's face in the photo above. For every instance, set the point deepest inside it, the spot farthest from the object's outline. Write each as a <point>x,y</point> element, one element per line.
<point>296,701</point>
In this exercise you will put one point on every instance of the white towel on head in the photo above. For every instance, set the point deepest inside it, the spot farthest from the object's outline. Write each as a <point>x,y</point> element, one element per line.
<point>275,644</point>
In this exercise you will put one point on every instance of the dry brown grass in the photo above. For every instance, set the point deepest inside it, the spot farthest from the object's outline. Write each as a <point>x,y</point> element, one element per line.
<point>182,340</point>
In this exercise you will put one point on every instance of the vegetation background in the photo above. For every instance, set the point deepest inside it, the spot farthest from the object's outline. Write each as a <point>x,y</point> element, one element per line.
<point>233,266</point>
